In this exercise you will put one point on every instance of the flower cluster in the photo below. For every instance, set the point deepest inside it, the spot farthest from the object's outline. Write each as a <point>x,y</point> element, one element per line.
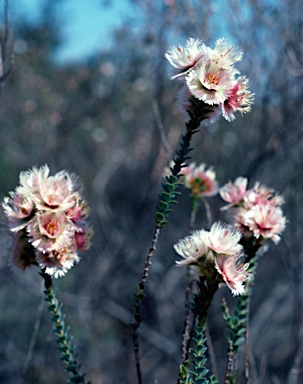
<point>211,80</point>
<point>257,212</point>
<point>47,216</point>
<point>217,254</point>
<point>201,181</point>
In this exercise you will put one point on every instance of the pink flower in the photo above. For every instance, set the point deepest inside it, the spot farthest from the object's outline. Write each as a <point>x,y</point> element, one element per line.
<point>256,211</point>
<point>83,236</point>
<point>265,220</point>
<point>212,85</point>
<point>240,99</point>
<point>200,181</point>
<point>233,272</point>
<point>56,193</point>
<point>18,208</point>
<point>49,231</point>
<point>260,194</point>
<point>48,213</point>
<point>233,193</point>
<point>224,239</point>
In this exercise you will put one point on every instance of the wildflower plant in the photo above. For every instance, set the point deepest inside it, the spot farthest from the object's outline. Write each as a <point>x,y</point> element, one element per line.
<point>211,86</point>
<point>48,220</point>
<point>47,217</point>
<point>258,215</point>
<point>210,78</point>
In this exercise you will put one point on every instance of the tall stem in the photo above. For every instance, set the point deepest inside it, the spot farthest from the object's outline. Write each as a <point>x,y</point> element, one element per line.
<point>238,322</point>
<point>61,331</point>
<point>166,200</point>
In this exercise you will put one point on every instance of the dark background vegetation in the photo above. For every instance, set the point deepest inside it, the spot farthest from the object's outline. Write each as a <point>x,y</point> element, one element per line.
<point>112,120</point>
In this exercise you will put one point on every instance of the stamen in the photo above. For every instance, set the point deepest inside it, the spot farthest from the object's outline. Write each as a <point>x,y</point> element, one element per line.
<point>52,227</point>
<point>225,54</point>
<point>212,78</point>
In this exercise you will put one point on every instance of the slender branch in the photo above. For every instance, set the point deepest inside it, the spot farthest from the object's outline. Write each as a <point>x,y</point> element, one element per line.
<point>166,200</point>
<point>230,362</point>
<point>186,330</point>
<point>61,331</point>
<point>237,323</point>
<point>139,297</point>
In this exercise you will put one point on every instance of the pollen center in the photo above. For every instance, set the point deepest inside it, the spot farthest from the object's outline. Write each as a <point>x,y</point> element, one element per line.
<point>212,78</point>
<point>52,227</point>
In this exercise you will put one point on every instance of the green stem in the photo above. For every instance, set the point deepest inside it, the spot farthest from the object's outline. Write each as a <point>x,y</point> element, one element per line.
<point>61,331</point>
<point>166,200</point>
<point>237,324</point>
<point>199,371</point>
<point>203,299</point>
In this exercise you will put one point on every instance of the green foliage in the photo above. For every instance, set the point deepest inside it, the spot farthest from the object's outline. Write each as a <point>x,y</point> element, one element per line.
<point>236,323</point>
<point>198,374</point>
<point>203,298</point>
<point>64,341</point>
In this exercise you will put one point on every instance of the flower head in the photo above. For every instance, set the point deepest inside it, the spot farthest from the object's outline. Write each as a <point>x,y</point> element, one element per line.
<point>224,53</point>
<point>257,211</point>
<point>215,254</point>
<point>224,239</point>
<point>201,181</point>
<point>48,217</point>
<point>240,99</point>
<point>193,248</point>
<point>184,58</point>
<point>233,272</point>
<point>211,82</point>
<point>233,193</point>
<point>265,221</point>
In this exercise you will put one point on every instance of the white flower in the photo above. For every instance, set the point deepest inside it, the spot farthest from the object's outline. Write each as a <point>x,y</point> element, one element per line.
<point>224,53</point>
<point>57,192</point>
<point>18,208</point>
<point>193,248</point>
<point>224,239</point>
<point>211,79</point>
<point>56,263</point>
<point>31,179</point>
<point>210,83</point>
<point>184,58</point>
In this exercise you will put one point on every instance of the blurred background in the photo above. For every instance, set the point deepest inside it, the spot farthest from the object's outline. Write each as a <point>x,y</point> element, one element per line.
<point>89,92</point>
